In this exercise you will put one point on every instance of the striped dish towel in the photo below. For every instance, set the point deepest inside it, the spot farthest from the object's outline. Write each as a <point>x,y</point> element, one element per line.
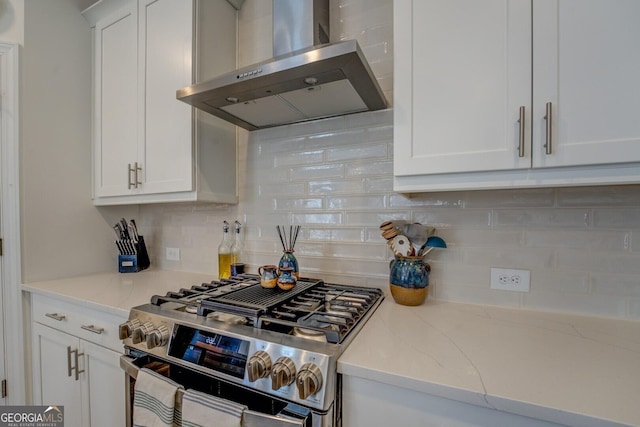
<point>203,410</point>
<point>154,402</point>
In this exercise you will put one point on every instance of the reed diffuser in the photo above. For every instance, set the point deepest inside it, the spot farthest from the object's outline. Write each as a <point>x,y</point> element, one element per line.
<point>288,260</point>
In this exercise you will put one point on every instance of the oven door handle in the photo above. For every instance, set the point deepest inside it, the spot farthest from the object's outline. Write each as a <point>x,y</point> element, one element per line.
<point>258,419</point>
<point>249,419</point>
<point>129,367</point>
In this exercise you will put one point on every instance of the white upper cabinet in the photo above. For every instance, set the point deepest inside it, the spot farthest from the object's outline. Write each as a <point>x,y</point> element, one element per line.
<point>115,101</point>
<point>148,146</point>
<point>586,64</point>
<point>463,69</point>
<point>474,83</point>
<point>165,143</point>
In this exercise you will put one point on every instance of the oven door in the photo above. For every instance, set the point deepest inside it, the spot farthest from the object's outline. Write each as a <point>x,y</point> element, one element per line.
<point>264,411</point>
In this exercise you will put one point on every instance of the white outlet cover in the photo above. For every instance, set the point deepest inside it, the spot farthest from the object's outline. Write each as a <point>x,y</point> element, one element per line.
<point>509,279</point>
<point>173,254</point>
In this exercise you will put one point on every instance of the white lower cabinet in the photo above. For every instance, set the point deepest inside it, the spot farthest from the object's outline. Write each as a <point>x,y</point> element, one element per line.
<point>370,403</point>
<point>71,365</point>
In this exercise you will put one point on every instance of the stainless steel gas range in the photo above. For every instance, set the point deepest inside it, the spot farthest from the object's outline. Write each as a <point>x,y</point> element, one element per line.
<point>274,351</point>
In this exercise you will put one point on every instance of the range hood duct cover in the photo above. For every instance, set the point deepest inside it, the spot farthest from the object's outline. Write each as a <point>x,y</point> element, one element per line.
<point>307,79</point>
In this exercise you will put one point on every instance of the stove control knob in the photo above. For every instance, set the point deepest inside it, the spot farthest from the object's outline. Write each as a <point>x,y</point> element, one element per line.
<point>309,380</point>
<point>126,328</point>
<point>283,373</point>
<point>259,366</point>
<point>158,337</point>
<point>140,333</point>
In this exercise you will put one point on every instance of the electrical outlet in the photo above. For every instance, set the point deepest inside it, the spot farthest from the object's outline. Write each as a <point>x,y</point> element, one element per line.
<point>508,279</point>
<point>173,254</point>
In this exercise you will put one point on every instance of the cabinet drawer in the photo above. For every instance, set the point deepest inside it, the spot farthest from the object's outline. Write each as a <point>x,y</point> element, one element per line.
<point>88,324</point>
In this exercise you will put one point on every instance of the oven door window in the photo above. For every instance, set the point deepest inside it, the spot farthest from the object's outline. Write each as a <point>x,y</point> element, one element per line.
<point>210,350</point>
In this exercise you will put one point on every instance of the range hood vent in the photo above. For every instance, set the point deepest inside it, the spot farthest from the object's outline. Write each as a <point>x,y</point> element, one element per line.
<point>307,79</point>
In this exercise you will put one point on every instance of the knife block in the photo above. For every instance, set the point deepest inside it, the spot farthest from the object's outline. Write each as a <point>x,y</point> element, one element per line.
<point>132,263</point>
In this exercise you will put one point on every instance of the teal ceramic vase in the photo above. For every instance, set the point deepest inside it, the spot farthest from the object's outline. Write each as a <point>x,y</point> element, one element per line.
<point>289,261</point>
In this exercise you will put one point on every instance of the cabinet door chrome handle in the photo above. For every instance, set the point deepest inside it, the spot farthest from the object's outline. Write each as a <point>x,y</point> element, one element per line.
<point>78,370</point>
<point>69,367</point>
<point>137,179</point>
<point>130,170</point>
<point>133,170</point>
<point>549,128</point>
<point>92,328</point>
<point>521,121</point>
<point>56,316</point>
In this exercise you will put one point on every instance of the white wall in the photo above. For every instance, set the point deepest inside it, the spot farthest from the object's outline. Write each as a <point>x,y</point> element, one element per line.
<point>334,177</point>
<point>63,234</point>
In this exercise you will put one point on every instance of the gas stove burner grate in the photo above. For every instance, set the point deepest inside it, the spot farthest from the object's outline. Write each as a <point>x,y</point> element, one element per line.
<point>253,301</point>
<point>259,297</point>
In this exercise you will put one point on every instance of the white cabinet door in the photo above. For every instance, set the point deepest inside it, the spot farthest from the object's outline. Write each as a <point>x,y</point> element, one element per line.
<point>586,64</point>
<point>165,65</point>
<point>103,385</point>
<point>115,92</point>
<point>462,71</point>
<point>53,374</point>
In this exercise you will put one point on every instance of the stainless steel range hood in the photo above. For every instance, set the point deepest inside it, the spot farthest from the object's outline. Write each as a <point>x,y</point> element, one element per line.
<point>306,80</point>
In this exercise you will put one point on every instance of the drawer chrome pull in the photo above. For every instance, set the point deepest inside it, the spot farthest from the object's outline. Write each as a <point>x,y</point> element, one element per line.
<point>56,316</point>
<point>92,328</point>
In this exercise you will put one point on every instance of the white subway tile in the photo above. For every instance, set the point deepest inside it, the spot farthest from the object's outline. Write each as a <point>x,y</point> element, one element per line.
<point>361,152</point>
<point>317,172</point>
<point>577,239</point>
<point>342,234</point>
<point>299,158</point>
<point>538,197</point>
<point>444,218</point>
<point>335,187</point>
<point>540,217</point>
<point>317,218</point>
<point>624,218</point>
<point>608,196</point>
<point>384,167</point>
<point>524,258</point>
<point>299,203</point>
<point>546,279</point>
<point>356,202</point>
<point>451,200</point>
<point>616,285</point>
<point>378,185</point>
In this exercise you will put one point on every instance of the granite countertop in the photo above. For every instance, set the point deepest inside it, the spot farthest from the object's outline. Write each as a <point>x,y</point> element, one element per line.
<point>569,369</point>
<point>563,368</point>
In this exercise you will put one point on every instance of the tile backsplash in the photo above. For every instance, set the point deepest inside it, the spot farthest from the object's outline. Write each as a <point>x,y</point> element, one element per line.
<point>334,178</point>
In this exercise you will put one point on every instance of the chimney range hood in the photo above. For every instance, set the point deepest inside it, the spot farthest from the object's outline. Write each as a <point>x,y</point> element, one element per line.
<point>307,79</point>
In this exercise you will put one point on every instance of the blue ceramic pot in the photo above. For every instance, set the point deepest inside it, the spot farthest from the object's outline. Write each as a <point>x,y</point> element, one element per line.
<point>408,280</point>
